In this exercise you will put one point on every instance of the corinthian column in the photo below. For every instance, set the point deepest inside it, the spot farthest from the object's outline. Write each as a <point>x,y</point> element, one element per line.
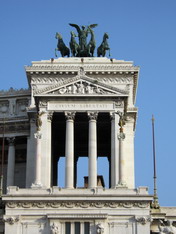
<point>11,162</point>
<point>92,150</point>
<point>69,150</point>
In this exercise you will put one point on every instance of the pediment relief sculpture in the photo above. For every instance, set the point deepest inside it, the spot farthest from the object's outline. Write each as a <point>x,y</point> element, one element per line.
<point>83,86</point>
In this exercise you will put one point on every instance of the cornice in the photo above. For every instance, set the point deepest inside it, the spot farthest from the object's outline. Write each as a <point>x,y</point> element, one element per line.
<point>15,92</point>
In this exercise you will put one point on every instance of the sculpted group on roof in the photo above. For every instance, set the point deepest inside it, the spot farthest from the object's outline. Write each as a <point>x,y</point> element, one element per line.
<point>80,47</point>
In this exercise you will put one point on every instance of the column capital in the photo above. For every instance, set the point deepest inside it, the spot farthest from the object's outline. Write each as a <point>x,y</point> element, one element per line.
<point>11,140</point>
<point>112,115</point>
<point>70,115</point>
<point>50,115</point>
<point>92,115</point>
<point>38,135</point>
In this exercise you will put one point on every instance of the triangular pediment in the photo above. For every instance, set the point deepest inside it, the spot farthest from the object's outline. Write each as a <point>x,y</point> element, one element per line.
<point>80,86</point>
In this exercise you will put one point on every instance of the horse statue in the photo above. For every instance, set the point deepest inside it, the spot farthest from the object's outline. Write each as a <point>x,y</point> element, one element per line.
<point>64,50</point>
<point>74,47</point>
<point>92,44</point>
<point>101,51</point>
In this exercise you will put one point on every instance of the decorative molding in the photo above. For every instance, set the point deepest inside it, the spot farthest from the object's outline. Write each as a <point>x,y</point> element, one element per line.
<point>54,229</point>
<point>72,204</point>
<point>87,68</point>
<point>77,216</point>
<point>11,220</point>
<point>55,80</point>
<point>50,115</point>
<point>143,220</point>
<point>38,135</point>
<point>115,80</point>
<point>100,228</point>
<point>43,103</point>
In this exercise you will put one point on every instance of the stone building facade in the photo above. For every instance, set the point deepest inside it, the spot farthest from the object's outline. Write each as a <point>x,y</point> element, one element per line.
<point>72,109</point>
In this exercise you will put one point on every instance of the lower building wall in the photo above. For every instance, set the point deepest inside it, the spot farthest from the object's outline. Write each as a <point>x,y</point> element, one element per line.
<point>44,225</point>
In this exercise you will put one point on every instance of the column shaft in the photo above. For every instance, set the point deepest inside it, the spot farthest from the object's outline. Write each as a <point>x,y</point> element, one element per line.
<point>11,162</point>
<point>69,150</point>
<point>92,149</point>
<point>114,150</point>
<point>122,163</point>
<point>37,182</point>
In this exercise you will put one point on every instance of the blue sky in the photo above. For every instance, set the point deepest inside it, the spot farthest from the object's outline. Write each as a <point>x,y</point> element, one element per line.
<point>140,31</point>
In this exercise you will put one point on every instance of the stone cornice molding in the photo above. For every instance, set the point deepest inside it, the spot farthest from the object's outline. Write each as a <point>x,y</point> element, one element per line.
<point>77,216</point>
<point>73,204</point>
<point>14,92</point>
<point>92,68</point>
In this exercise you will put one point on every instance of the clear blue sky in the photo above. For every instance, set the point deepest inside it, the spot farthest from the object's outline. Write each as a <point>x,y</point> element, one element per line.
<point>141,31</point>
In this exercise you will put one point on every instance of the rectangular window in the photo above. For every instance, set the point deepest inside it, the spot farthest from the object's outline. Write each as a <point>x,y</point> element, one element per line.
<point>86,228</point>
<point>77,228</point>
<point>67,228</point>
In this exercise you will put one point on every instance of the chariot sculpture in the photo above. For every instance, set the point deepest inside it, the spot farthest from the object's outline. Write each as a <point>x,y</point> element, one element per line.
<point>80,47</point>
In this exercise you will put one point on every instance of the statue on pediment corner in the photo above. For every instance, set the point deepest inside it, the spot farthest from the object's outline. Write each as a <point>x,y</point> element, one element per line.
<point>101,51</point>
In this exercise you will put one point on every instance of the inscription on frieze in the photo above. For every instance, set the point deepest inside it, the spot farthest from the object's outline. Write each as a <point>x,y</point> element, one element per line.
<point>82,106</point>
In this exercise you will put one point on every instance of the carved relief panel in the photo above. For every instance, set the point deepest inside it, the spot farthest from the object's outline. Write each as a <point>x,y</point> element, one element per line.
<point>4,108</point>
<point>21,105</point>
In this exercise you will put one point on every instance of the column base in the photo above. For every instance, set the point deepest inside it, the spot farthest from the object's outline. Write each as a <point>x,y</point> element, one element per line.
<point>36,185</point>
<point>121,185</point>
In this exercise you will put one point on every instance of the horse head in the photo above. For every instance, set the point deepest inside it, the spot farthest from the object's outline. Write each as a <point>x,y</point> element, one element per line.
<point>73,34</point>
<point>58,36</point>
<point>106,36</point>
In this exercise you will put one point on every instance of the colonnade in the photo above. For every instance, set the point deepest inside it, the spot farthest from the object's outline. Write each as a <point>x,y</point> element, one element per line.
<point>117,153</point>
<point>116,167</point>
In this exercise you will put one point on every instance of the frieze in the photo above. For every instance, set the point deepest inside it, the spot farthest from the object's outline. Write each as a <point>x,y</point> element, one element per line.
<point>72,204</point>
<point>15,127</point>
